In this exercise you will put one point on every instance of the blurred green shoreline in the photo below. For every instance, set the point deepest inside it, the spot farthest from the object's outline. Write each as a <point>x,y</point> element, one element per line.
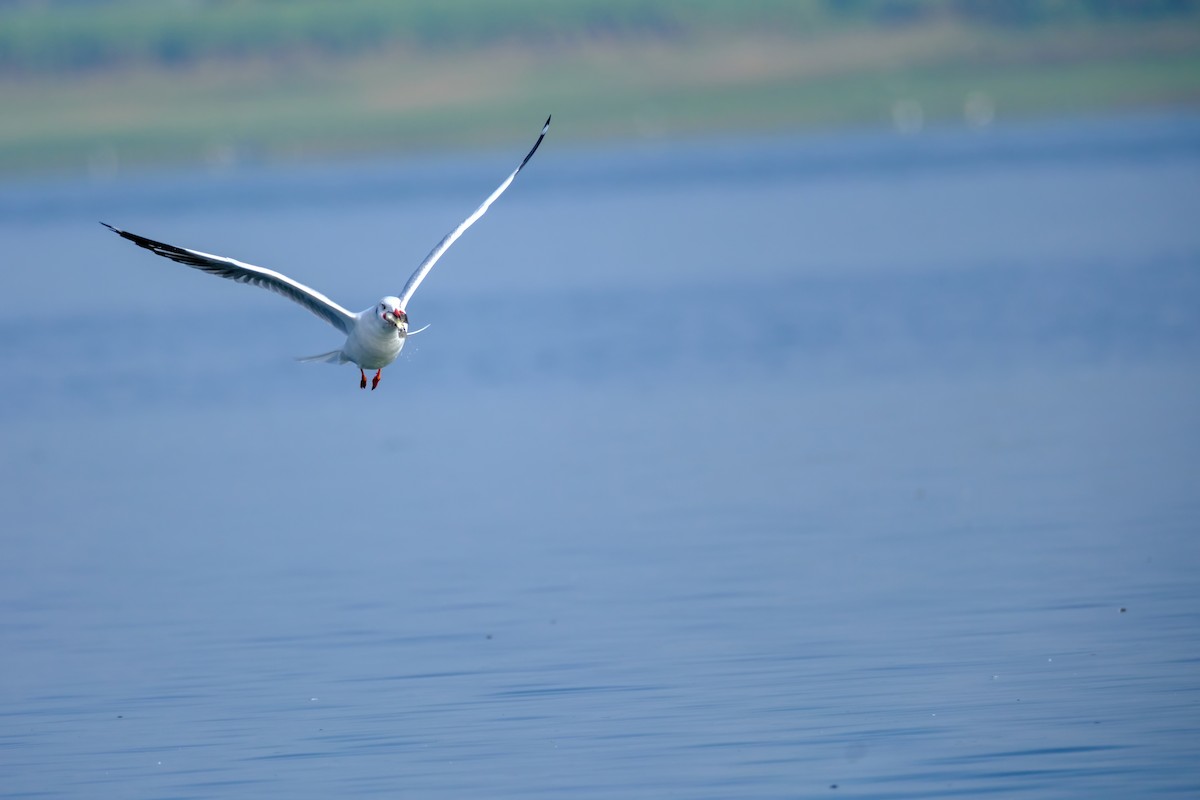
<point>97,87</point>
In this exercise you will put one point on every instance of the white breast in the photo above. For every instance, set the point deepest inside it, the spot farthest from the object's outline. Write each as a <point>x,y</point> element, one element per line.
<point>373,344</point>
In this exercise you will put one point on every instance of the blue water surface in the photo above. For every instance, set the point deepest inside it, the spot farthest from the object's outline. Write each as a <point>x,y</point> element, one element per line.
<point>843,466</point>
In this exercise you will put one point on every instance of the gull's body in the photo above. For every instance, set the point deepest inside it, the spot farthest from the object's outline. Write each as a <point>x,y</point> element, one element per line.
<point>374,343</point>
<point>374,336</point>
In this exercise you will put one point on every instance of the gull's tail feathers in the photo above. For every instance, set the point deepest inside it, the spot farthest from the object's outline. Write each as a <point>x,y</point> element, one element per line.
<point>332,357</point>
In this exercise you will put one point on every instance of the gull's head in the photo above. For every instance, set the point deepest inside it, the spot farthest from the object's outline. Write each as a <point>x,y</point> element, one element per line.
<point>390,313</point>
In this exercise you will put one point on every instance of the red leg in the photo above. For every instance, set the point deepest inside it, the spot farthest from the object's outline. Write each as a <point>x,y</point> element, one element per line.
<point>375,380</point>
<point>363,384</point>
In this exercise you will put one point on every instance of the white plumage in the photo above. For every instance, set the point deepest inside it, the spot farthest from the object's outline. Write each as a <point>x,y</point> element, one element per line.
<point>374,336</point>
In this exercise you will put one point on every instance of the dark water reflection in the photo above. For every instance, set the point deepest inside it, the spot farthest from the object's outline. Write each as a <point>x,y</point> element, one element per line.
<point>878,469</point>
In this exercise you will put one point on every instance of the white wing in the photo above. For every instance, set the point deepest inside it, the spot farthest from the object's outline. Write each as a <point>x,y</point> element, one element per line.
<point>313,300</point>
<point>444,244</point>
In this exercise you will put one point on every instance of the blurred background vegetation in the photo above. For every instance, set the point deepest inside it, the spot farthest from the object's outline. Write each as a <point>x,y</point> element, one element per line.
<point>97,85</point>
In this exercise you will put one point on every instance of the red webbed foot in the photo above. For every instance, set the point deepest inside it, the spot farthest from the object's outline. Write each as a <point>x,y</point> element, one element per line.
<point>363,383</point>
<point>375,380</point>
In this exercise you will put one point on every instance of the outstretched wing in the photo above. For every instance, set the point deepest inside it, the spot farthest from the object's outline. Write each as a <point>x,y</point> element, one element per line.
<point>444,244</point>
<point>313,300</point>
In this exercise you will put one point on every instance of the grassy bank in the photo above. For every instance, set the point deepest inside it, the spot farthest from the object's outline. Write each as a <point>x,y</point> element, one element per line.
<point>107,85</point>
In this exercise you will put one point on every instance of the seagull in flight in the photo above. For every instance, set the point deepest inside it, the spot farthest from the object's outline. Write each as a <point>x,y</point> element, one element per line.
<point>375,336</point>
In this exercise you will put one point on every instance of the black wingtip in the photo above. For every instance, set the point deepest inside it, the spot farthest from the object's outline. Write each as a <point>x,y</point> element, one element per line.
<point>536,144</point>
<point>110,227</point>
<point>547,125</point>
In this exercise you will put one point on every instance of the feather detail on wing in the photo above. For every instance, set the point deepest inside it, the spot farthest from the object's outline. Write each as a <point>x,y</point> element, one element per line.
<point>449,239</point>
<point>238,271</point>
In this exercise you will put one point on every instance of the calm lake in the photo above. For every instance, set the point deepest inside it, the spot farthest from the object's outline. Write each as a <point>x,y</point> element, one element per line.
<point>828,466</point>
